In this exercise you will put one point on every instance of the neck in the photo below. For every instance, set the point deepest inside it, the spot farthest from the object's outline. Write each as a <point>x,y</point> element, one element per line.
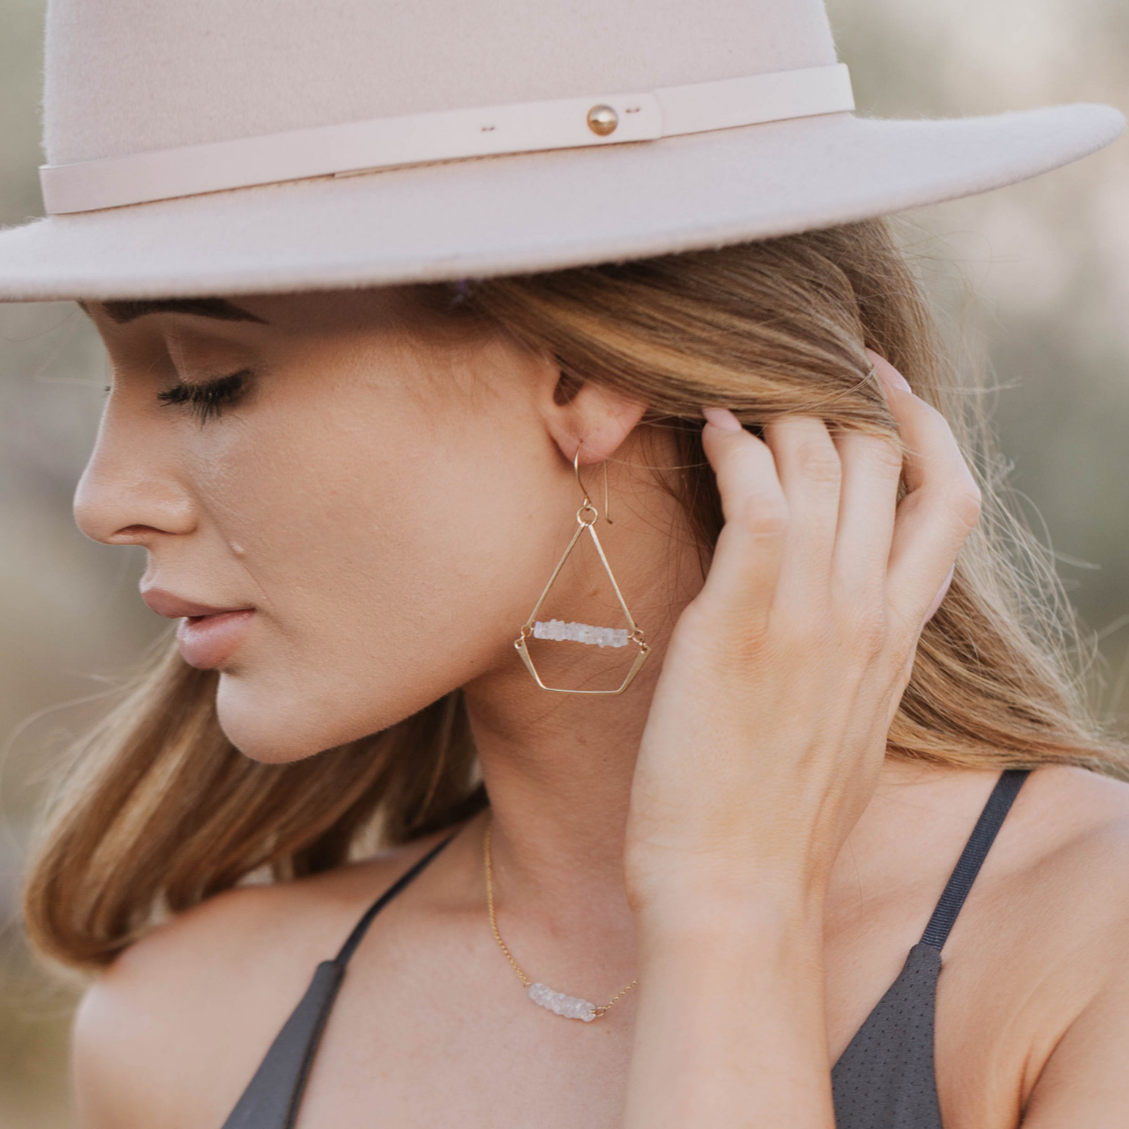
<point>558,769</point>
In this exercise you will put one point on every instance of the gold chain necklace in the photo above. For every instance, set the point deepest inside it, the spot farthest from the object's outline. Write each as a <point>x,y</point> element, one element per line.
<point>571,1007</point>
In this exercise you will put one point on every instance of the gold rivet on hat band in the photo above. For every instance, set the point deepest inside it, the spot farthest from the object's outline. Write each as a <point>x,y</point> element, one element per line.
<point>602,119</point>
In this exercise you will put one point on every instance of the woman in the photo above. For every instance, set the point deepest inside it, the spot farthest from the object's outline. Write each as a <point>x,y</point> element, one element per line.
<point>782,703</point>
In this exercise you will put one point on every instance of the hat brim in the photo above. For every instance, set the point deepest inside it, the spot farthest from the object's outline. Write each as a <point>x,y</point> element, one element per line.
<point>540,211</point>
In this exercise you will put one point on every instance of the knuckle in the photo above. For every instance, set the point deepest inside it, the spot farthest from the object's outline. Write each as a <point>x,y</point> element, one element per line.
<point>887,457</point>
<point>747,635</point>
<point>743,465</point>
<point>819,462</point>
<point>965,504</point>
<point>765,515</point>
<point>933,417</point>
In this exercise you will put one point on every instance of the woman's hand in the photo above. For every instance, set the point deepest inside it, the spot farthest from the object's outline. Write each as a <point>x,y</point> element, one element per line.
<point>763,746</point>
<point>768,726</point>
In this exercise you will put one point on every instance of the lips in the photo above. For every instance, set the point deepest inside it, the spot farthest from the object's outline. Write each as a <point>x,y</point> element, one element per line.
<point>174,607</point>
<point>207,635</point>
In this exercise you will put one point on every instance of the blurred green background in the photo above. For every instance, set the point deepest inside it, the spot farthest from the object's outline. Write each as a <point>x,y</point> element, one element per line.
<point>1034,280</point>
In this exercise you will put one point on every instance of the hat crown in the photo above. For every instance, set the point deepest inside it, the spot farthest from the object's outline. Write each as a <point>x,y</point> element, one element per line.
<point>128,76</point>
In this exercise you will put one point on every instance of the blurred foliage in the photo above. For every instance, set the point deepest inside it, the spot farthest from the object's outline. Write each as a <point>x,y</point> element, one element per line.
<point>1033,282</point>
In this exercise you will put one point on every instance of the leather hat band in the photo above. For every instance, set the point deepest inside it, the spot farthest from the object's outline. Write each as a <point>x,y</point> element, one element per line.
<point>366,146</point>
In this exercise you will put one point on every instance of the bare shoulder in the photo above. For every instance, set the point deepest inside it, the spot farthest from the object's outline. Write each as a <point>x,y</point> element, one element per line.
<point>1067,847</point>
<point>168,1035</point>
<point>1074,829</point>
<point>1063,883</point>
<point>1071,816</point>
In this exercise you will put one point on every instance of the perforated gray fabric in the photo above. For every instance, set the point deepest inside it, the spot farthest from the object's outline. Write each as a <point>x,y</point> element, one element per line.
<point>884,1079</point>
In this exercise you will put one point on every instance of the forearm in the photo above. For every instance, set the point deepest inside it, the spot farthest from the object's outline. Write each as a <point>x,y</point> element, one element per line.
<point>731,1028</point>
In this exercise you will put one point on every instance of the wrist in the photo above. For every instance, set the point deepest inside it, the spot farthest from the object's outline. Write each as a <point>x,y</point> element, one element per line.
<point>755,914</point>
<point>670,891</point>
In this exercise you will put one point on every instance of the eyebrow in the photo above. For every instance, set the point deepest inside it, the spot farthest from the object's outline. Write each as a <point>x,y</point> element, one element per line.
<point>123,311</point>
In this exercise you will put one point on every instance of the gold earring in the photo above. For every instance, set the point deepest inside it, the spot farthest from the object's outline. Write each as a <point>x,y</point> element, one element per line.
<point>581,632</point>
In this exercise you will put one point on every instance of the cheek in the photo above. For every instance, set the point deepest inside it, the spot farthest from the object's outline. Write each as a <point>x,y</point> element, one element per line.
<point>384,569</point>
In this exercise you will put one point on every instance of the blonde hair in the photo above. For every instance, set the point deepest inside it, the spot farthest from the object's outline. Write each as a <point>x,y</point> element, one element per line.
<point>159,811</point>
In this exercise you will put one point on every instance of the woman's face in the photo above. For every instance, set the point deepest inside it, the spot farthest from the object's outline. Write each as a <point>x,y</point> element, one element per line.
<point>367,507</point>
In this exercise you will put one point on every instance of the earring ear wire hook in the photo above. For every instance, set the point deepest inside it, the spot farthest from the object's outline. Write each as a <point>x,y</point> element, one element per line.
<point>579,480</point>
<point>584,489</point>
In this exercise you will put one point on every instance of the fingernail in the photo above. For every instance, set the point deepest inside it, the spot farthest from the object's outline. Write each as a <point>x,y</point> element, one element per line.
<point>722,418</point>
<point>890,375</point>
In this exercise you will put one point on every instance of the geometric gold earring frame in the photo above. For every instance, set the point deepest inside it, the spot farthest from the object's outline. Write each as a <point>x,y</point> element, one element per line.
<point>579,632</point>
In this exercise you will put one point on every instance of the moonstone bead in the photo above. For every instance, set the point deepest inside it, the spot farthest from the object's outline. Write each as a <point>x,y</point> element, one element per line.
<point>571,1007</point>
<point>559,630</point>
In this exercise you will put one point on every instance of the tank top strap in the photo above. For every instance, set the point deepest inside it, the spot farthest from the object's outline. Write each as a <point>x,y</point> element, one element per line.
<point>361,928</point>
<point>973,856</point>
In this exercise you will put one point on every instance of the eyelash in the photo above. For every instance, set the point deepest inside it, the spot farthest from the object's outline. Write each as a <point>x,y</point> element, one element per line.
<point>209,399</point>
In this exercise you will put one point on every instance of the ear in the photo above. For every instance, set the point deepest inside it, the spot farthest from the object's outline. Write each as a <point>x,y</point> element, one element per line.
<point>591,416</point>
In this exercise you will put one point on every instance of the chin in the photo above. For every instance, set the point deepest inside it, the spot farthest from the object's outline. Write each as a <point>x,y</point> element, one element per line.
<point>276,725</point>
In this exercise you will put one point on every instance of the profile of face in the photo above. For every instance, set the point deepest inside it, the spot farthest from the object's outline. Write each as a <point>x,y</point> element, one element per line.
<point>351,508</point>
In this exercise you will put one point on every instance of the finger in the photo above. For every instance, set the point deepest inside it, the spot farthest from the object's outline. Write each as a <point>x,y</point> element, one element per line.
<point>939,510</point>
<point>810,473</point>
<point>940,597</point>
<point>868,499</point>
<point>747,560</point>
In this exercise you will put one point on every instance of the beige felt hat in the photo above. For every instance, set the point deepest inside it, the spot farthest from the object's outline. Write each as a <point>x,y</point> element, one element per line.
<point>212,147</point>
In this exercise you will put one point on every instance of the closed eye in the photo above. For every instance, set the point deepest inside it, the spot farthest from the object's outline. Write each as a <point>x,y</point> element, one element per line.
<point>208,399</point>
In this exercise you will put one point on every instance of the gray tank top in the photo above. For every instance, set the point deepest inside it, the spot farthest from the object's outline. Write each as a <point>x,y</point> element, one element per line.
<point>883,1080</point>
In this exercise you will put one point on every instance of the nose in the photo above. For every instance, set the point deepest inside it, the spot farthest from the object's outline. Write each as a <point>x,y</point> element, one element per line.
<point>129,493</point>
